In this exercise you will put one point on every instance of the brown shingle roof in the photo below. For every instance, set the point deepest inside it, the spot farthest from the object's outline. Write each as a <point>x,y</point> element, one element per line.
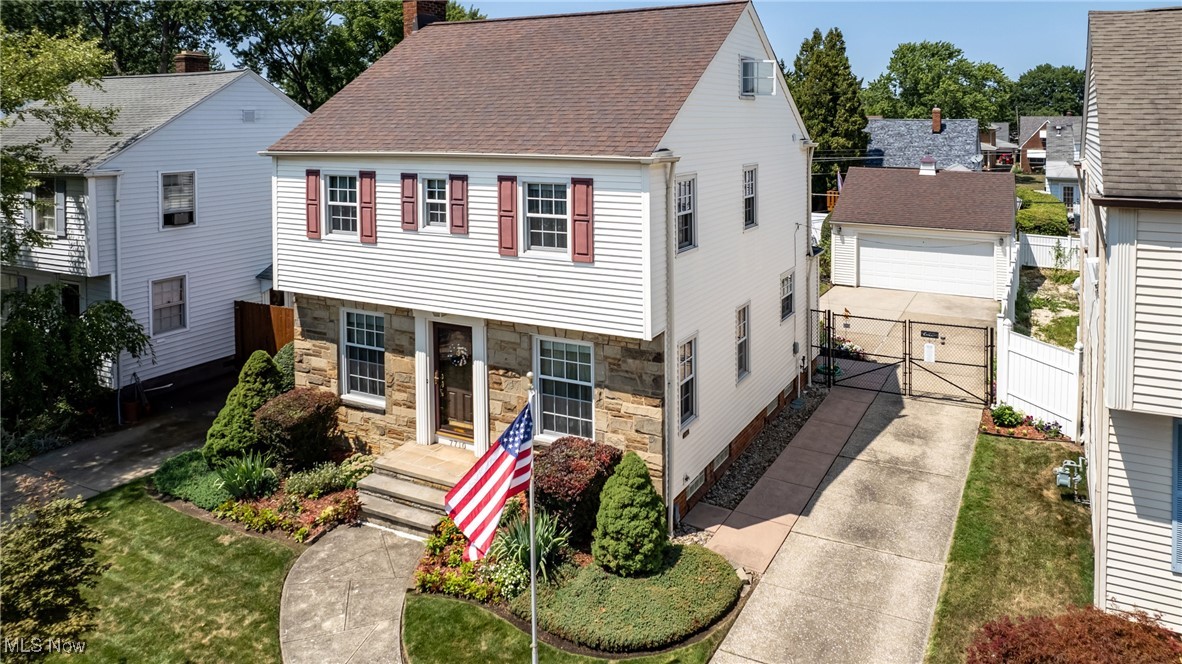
<point>605,83</point>
<point>956,200</point>
<point>1136,59</point>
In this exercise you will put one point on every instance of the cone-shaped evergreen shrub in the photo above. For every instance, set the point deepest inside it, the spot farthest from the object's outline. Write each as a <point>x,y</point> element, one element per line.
<point>285,360</point>
<point>629,537</point>
<point>233,432</point>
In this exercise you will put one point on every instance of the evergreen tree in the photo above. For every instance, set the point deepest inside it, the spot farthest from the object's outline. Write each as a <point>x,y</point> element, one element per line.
<point>827,94</point>
<point>233,430</point>
<point>629,537</point>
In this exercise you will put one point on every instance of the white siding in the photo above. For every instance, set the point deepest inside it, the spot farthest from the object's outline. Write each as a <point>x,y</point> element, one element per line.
<point>1157,313</point>
<point>657,239</point>
<point>715,135</point>
<point>433,270</point>
<point>103,211</point>
<point>1138,517</point>
<point>844,265</point>
<point>1091,144</point>
<point>231,241</point>
<point>67,254</point>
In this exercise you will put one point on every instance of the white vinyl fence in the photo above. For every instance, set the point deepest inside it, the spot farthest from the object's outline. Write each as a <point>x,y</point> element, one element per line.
<point>1038,378</point>
<point>1039,251</point>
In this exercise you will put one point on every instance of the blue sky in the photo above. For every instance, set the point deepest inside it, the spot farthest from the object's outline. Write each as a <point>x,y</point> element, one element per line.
<point>1014,35</point>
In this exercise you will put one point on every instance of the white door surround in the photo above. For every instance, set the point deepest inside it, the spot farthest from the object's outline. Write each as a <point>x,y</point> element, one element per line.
<point>425,394</point>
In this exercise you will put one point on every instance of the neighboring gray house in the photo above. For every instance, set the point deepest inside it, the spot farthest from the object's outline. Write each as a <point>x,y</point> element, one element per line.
<point>1051,144</point>
<point>903,143</point>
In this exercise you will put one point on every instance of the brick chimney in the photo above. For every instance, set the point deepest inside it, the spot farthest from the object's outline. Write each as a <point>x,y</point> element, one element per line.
<point>187,62</point>
<point>418,14</point>
<point>936,124</point>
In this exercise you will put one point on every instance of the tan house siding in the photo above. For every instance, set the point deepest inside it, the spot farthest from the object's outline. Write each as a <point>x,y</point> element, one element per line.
<point>1157,313</point>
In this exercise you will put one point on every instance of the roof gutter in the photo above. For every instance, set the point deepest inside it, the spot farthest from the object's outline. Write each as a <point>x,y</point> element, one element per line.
<point>652,159</point>
<point>1135,202</point>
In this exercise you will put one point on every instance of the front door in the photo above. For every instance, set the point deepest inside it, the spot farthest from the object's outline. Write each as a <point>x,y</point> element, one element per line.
<point>453,381</point>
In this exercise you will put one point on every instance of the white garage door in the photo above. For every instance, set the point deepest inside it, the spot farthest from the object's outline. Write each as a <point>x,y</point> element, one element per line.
<point>930,265</point>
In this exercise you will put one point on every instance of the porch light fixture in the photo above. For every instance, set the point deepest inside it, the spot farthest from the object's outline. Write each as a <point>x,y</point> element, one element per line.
<point>837,229</point>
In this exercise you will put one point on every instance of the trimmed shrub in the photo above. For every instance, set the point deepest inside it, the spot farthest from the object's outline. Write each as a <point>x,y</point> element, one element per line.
<point>570,475</point>
<point>328,477</point>
<point>1041,213</point>
<point>512,543</point>
<point>285,362</point>
<point>298,426</point>
<point>630,536</point>
<point>47,559</point>
<point>1005,416</point>
<point>188,476</point>
<point>248,476</point>
<point>233,431</point>
<point>1082,634</point>
<point>694,588</point>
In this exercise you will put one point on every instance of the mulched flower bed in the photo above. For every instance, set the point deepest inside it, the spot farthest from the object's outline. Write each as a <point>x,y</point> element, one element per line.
<point>746,470</point>
<point>1026,430</point>
<point>304,519</point>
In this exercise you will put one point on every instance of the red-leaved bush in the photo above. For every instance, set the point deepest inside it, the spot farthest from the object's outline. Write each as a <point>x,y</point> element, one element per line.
<point>298,426</point>
<point>1082,635</point>
<point>570,473</point>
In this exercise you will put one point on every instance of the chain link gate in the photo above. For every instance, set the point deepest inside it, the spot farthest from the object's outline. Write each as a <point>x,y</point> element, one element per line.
<point>912,358</point>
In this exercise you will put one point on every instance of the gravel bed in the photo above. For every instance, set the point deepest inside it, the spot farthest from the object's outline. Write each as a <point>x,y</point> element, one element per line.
<point>690,535</point>
<point>762,452</point>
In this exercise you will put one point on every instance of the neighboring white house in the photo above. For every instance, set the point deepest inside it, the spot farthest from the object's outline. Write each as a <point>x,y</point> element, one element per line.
<point>948,231</point>
<point>170,216</point>
<point>615,201</point>
<point>1131,319</point>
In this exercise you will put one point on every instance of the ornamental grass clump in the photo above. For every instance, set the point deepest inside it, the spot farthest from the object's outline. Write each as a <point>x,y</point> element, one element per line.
<point>512,543</point>
<point>629,537</point>
<point>233,430</point>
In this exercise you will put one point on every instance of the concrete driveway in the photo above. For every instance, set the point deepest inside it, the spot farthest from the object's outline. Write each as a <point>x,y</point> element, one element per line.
<point>858,578</point>
<point>910,305</point>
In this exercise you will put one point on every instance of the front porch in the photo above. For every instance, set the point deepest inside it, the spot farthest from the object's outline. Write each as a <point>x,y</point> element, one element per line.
<point>407,487</point>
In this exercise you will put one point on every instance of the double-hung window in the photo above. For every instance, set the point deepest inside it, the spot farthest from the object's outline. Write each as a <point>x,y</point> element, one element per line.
<point>685,194</point>
<point>364,355</point>
<point>44,207</point>
<point>787,295</point>
<point>342,204</point>
<point>178,199</point>
<point>749,206</point>
<point>687,362</point>
<point>435,201</point>
<point>567,387</point>
<point>168,305</point>
<point>546,215</point>
<point>743,341</point>
<point>757,77</point>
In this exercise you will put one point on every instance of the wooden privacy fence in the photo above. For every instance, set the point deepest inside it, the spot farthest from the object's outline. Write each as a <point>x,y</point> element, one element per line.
<point>1037,378</point>
<point>261,327</point>
<point>1039,251</point>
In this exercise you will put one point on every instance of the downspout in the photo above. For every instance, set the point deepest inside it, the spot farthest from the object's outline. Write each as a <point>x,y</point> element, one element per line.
<point>670,366</point>
<point>809,146</point>
<point>115,297</point>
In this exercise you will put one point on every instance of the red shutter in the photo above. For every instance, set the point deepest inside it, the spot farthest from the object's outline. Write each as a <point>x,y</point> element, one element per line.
<point>582,220</point>
<point>312,202</point>
<point>459,204</point>
<point>368,200</point>
<point>410,204</point>
<point>507,214</point>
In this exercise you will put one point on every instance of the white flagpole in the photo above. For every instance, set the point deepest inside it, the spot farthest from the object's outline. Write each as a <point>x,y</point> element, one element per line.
<point>533,562</point>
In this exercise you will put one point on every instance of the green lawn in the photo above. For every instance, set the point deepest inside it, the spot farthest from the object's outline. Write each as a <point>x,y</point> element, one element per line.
<point>1060,331</point>
<point>1030,180</point>
<point>181,589</point>
<point>442,630</point>
<point>1021,546</point>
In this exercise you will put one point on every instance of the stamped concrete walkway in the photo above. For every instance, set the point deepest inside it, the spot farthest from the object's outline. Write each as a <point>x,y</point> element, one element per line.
<point>855,567</point>
<point>342,600</point>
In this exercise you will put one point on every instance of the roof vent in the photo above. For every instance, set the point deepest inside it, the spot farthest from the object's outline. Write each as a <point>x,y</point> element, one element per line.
<point>927,165</point>
<point>250,115</point>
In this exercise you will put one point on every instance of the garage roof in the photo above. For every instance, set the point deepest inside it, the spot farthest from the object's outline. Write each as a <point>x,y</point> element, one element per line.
<point>953,200</point>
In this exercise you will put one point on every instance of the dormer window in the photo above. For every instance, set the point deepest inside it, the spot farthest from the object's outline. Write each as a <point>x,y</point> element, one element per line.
<point>757,77</point>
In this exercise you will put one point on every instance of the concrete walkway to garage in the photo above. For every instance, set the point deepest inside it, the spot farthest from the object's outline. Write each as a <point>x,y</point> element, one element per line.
<point>910,305</point>
<point>858,575</point>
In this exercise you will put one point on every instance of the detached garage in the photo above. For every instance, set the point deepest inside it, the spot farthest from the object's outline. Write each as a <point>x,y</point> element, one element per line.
<point>948,232</point>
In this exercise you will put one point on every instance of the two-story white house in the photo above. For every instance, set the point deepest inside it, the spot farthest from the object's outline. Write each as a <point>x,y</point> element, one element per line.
<point>1131,319</point>
<point>169,216</point>
<point>615,201</point>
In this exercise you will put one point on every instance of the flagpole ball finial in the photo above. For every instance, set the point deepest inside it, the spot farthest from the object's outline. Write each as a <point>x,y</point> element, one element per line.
<point>529,375</point>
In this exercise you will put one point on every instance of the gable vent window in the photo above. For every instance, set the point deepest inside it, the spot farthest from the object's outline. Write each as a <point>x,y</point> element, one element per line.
<point>251,115</point>
<point>179,199</point>
<point>757,77</point>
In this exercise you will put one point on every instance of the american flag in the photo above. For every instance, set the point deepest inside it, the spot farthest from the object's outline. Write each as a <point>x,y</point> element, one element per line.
<point>476,502</point>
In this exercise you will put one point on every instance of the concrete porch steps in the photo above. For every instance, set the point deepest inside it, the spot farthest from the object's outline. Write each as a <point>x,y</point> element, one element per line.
<point>408,485</point>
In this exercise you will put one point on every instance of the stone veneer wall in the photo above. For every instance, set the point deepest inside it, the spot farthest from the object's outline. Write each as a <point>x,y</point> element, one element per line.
<point>628,378</point>
<point>317,333</point>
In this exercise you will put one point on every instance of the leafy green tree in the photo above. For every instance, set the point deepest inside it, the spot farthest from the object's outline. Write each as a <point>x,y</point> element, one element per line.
<point>47,559</point>
<point>926,74</point>
<point>38,70</point>
<point>629,537</point>
<point>827,94</point>
<point>310,48</point>
<point>50,359</point>
<point>1050,90</point>
<point>142,36</point>
<point>232,432</point>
